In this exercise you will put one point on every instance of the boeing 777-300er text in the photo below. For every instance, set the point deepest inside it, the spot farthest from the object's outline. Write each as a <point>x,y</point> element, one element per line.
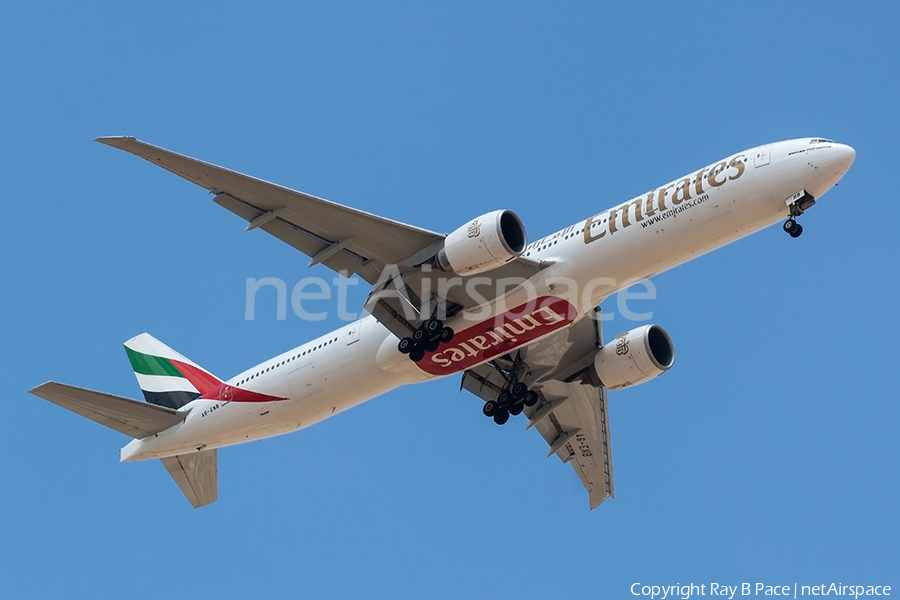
<point>517,321</point>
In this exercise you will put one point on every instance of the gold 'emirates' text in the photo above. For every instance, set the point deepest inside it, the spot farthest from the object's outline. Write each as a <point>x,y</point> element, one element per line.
<point>636,210</point>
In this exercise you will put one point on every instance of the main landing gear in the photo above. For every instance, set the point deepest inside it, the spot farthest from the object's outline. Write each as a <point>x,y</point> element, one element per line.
<point>427,338</point>
<point>511,401</point>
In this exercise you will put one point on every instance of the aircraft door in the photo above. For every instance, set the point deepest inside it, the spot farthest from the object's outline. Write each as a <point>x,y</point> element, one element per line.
<point>762,156</point>
<point>301,380</point>
<point>353,332</point>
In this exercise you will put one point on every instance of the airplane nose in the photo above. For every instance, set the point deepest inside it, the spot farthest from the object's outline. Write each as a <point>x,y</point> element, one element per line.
<point>845,154</point>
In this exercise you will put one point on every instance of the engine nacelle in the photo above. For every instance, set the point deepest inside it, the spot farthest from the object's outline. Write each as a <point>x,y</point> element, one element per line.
<point>483,244</point>
<point>634,357</point>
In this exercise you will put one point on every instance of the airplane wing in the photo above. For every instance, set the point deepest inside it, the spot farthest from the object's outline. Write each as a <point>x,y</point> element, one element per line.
<point>341,238</point>
<point>572,416</point>
<point>576,426</point>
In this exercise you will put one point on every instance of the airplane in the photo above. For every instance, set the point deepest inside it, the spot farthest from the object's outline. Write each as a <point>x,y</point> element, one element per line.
<point>517,321</point>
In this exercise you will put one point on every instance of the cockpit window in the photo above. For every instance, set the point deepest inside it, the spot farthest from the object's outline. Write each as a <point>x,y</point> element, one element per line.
<point>820,141</point>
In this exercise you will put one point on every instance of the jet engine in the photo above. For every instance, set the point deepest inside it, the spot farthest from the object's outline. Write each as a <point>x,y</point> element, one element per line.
<point>633,357</point>
<point>483,244</point>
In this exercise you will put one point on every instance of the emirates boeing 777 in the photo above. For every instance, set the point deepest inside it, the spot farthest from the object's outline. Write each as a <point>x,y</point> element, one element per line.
<point>517,321</point>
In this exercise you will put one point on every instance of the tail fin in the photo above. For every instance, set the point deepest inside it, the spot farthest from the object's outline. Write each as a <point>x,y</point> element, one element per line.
<point>166,377</point>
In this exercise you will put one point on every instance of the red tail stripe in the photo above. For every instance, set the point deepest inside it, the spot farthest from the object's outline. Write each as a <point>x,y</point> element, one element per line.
<point>200,379</point>
<point>211,388</point>
<point>230,393</point>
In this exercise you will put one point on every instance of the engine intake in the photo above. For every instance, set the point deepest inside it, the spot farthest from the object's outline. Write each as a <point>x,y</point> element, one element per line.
<point>483,244</point>
<point>633,357</point>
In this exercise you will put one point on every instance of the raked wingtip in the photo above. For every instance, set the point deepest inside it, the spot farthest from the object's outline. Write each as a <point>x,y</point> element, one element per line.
<point>114,140</point>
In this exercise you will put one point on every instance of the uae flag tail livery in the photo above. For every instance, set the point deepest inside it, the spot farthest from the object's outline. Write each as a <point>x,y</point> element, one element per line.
<point>166,377</point>
<point>169,382</point>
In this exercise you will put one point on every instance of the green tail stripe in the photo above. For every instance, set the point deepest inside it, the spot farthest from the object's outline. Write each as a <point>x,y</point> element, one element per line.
<point>151,365</point>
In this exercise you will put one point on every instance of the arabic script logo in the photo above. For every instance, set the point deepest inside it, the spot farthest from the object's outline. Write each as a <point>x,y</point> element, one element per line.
<point>474,229</point>
<point>622,346</point>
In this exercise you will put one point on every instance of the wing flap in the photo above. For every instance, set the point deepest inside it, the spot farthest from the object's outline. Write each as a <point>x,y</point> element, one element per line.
<point>131,417</point>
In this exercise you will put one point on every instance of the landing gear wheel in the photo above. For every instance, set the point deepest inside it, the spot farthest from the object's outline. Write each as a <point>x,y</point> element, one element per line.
<point>405,345</point>
<point>797,231</point>
<point>505,399</point>
<point>432,345</point>
<point>789,226</point>
<point>417,354</point>
<point>490,408</point>
<point>516,409</point>
<point>446,335</point>
<point>419,335</point>
<point>501,416</point>
<point>519,390</point>
<point>531,398</point>
<point>432,326</point>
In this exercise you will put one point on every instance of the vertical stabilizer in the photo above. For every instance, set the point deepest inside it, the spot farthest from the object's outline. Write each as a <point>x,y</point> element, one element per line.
<point>166,377</point>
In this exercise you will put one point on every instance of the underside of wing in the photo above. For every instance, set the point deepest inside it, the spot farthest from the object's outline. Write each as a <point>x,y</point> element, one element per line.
<point>576,426</point>
<point>341,238</point>
<point>346,240</point>
<point>571,414</point>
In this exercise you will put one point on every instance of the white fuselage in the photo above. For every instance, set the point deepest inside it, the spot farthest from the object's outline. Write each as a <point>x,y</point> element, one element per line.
<point>594,258</point>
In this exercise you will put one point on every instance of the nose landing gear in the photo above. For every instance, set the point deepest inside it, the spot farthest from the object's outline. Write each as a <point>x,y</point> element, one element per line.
<point>797,204</point>
<point>793,228</point>
<point>427,338</point>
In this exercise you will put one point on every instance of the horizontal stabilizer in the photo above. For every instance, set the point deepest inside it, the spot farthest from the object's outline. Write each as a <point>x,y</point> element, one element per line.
<point>197,475</point>
<point>131,417</point>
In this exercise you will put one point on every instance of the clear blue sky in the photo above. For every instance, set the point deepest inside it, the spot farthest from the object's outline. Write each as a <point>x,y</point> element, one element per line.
<point>769,453</point>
